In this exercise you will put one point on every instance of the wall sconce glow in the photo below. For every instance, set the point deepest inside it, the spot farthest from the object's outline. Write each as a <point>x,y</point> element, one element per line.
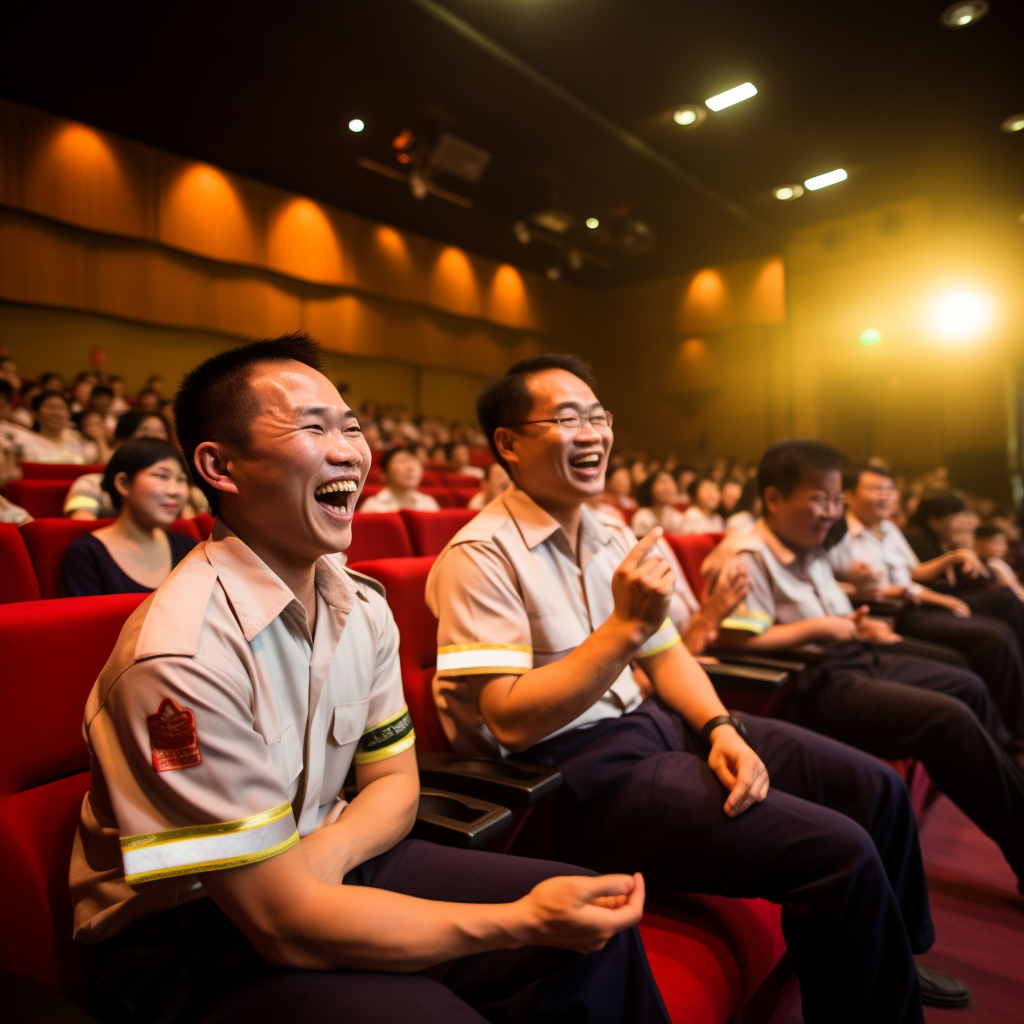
<point>1013,124</point>
<point>788,192</point>
<point>593,222</point>
<point>870,337</point>
<point>355,125</point>
<point>963,14</point>
<point>689,116</point>
<point>731,96</point>
<point>962,314</point>
<point>826,179</point>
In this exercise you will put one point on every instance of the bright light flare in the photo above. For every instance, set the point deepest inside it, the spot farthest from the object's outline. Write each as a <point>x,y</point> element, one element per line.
<point>593,222</point>
<point>355,125</point>
<point>826,179</point>
<point>871,336</point>
<point>731,96</point>
<point>961,314</point>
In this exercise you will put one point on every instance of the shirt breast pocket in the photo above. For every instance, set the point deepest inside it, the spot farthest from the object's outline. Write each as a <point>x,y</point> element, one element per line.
<point>555,631</point>
<point>349,722</point>
<point>286,754</point>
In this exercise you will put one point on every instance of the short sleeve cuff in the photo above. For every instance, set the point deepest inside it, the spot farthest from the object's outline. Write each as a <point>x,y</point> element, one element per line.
<point>484,659</point>
<point>386,739</point>
<point>666,637</point>
<point>745,621</point>
<point>215,847</point>
<point>81,503</point>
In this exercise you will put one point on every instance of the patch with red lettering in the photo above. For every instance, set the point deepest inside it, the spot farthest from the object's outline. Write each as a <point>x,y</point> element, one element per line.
<point>173,737</point>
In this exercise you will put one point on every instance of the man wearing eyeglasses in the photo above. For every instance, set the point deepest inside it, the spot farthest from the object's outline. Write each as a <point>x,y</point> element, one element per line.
<point>542,608</point>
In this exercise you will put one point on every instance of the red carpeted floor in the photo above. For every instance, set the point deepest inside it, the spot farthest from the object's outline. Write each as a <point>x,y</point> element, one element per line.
<point>979,923</point>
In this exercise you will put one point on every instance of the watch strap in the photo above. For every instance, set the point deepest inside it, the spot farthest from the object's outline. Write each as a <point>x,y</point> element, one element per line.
<point>714,723</point>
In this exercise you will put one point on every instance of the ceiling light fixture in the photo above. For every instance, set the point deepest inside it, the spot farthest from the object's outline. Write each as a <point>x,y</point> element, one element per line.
<point>593,222</point>
<point>961,314</point>
<point>963,14</point>
<point>689,116</point>
<point>826,179</point>
<point>788,192</point>
<point>1013,124</point>
<point>870,337</point>
<point>522,233</point>
<point>731,96</point>
<point>355,125</point>
<point>553,273</point>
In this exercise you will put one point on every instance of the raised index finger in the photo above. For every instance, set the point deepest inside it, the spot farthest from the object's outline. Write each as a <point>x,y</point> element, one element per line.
<point>636,554</point>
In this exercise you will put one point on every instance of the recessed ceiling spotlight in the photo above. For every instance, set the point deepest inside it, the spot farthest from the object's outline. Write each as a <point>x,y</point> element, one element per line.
<point>593,222</point>
<point>522,233</point>
<point>788,192</point>
<point>553,273</point>
<point>731,96</point>
<point>689,116</point>
<point>823,180</point>
<point>575,258</point>
<point>355,125</point>
<point>1013,124</point>
<point>963,14</point>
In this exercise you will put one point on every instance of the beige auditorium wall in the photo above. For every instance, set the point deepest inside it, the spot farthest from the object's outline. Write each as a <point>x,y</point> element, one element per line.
<point>95,224</point>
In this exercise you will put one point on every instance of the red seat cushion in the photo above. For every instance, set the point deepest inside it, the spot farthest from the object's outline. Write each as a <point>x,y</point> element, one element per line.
<point>378,535</point>
<point>431,531</point>
<point>39,498</point>
<point>691,552</point>
<point>204,524</point>
<point>442,495</point>
<point>464,495</point>
<point>462,480</point>
<point>53,652</point>
<point>58,470</point>
<point>17,577</point>
<point>48,540</point>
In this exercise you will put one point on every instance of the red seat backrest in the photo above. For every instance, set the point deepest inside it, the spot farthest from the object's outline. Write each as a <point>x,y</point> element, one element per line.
<point>463,495</point>
<point>369,489</point>
<point>432,478</point>
<point>442,495</point>
<point>431,531</point>
<point>204,524</point>
<point>378,535</point>
<point>405,580</point>
<point>58,470</point>
<point>48,540</point>
<point>462,480</point>
<point>691,552</point>
<point>17,577</point>
<point>39,498</point>
<point>480,455</point>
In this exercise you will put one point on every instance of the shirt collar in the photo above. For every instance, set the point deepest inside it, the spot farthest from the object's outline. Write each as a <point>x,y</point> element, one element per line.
<point>778,549</point>
<point>854,525</point>
<point>257,594</point>
<point>536,526</point>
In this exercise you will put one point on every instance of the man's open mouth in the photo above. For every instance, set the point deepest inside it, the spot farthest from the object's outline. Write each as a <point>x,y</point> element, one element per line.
<point>587,464</point>
<point>338,498</point>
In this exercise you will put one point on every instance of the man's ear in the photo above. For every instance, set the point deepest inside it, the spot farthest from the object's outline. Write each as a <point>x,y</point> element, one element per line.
<point>771,498</point>
<point>213,464</point>
<point>504,441</point>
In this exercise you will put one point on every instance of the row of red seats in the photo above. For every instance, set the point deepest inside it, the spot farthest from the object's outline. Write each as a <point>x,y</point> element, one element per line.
<point>32,555</point>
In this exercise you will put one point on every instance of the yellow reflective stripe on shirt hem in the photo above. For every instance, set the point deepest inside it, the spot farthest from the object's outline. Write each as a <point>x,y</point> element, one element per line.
<point>485,670</point>
<point>223,864</point>
<point>455,648</point>
<point>195,831</point>
<point>752,622</point>
<point>385,752</point>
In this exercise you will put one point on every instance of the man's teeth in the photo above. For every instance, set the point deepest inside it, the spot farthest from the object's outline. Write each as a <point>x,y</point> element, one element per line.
<point>339,485</point>
<point>587,460</point>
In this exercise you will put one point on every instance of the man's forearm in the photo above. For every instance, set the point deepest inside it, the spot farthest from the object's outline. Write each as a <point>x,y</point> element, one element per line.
<point>684,686</point>
<point>790,634</point>
<point>926,571</point>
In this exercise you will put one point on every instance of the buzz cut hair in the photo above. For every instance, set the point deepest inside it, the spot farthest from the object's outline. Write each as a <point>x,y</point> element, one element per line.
<point>783,465</point>
<point>216,403</point>
<point>507,400</point>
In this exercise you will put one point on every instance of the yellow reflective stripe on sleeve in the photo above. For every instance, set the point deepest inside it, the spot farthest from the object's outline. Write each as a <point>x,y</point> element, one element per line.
<point>746,621</point>
<point>383,753</point>
<point>386,739</point>
<point>666,637</point>
<point>81,503</point>
<point>480,659</point>
<point>213,847</point>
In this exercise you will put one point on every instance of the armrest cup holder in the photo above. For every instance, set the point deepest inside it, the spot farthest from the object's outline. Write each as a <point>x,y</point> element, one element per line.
<point>508,783</point>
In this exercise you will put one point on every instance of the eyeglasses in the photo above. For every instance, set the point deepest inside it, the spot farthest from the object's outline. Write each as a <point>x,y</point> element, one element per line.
<point>572,422</point>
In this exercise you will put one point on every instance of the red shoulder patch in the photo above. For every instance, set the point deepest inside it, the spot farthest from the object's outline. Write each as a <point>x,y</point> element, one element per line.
<point>173,737</point>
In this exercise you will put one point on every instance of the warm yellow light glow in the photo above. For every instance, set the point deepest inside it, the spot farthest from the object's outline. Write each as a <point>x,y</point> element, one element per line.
<point>593,222</point>
<point>302,242</point>
<point>826,179</point>
<point>684,117</point>
<point>961,314</point>
<point>731,96</point>
<point>355,125</point>
<point>872,336</point>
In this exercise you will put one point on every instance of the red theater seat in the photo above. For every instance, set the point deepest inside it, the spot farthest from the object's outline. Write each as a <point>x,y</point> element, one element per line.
<point>464,495</point>
<point>442,495</point>
<point>17,577</point>
<point>378,535</point>
<point>48,540</point>
<point>480,455</point>
<point>369,489</point>
<point>58,470</point>
<point>39,498</point>
<point>431,531</point>
<point>204,524</point>
<point>432,478</point>
<point>691,552</point>
<point>462,480</point>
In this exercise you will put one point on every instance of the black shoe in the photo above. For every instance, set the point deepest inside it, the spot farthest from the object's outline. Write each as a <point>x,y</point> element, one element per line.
<point>941,990</point>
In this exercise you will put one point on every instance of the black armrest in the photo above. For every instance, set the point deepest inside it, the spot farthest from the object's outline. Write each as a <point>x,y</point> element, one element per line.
<point>783,662</point>
<point>508,783</point>
<point>28,1002</point>
<point>749,678</point>
<point>882,609</point>
<point>461,821</point>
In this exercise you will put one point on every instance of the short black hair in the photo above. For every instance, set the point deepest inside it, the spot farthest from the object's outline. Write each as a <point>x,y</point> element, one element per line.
<point>989,530</point>
<point>783,465</point>
<point>385,460</point>
<point>133,457</point>
<point>852,474</point>
<point>6,391</point>
<point>507,399</point>
<point>937,505</point>
<point>44,395</point>
<point>645,492</point>
<point>132,420</point>
<point>695,483</point>
<point>214,402</point>
<point>102,389</point>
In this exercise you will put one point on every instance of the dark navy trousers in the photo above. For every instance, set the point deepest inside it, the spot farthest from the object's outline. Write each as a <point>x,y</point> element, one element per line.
<point>191,965</point>
<point>835,843</point>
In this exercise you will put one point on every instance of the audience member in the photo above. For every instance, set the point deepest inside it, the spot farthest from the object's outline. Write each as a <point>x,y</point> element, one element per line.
<point>119,405</point>
<point>746,510</point>
<point>702,516</point>
<point>52,439</point>
<point>684,478</point>
<point>81,390</point>
<point>402,473</point>
<point>495,483</point>
<point>148,485</point>
<point>992,545</point>
<point>11,513</point>
<point>888,705</point>
<point>92,425</point>
<point>149,399</point>
<point>542,607</point>
<point>656,497</point>
<point>458,461</point>
<point>618,492</point>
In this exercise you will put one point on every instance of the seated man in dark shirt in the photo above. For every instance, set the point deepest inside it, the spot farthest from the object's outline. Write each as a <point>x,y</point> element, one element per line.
<point>148,485</point>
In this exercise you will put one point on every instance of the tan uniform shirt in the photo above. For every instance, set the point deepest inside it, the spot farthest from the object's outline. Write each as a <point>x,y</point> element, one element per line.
<point>786,587</point>
<point>510,596</point>
<point>889,555</point>
<point>221,731</point>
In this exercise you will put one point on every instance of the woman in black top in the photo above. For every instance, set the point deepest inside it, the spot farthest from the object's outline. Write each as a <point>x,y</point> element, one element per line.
<point>148,484</point>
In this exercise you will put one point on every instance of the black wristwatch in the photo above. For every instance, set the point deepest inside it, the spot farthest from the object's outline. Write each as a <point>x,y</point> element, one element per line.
<point>714,723</point>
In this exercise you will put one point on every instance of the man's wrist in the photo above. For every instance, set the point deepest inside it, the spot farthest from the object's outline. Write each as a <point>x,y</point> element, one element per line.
<point>630,634</point>
<point>712,725</point>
